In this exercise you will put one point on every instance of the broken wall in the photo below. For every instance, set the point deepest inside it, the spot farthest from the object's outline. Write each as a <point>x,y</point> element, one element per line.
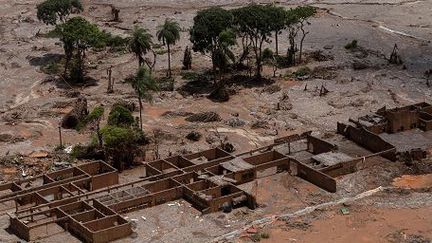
<point>367,140</point>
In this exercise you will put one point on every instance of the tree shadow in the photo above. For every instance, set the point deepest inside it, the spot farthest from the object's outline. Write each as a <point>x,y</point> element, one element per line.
<point>248,82</point>
<point>203,84</point>
<point>45,59</point>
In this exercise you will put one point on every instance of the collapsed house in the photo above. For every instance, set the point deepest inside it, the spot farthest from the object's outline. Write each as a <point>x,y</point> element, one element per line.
<point>87,200</point>
<point>402,131</point>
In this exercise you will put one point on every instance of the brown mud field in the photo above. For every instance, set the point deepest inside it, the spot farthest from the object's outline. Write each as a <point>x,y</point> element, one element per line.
<point>32,107</point>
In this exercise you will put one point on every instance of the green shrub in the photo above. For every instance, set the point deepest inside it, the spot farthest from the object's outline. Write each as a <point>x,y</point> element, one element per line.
<point>191,76</point>
<point>166,84</point>
<point>120,116</point>
<point>352,45</point>
<point>117,136</point>
<point>161,52</point>
<point>96,114</point>
<point>282,61</point>
<point>267,54</point>
<point>51,68</point>
<point>303,71</point>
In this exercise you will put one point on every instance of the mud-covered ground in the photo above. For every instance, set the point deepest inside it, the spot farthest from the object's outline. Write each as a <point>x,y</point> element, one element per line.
<point>31,107</point>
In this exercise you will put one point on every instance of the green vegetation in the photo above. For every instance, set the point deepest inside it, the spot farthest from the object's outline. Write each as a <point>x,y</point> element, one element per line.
<point>140,43</point>
<point>301,72</point>
<point>117,136</point>
<point>169,34</point>
<point>51,68</point>
<point>190,75</point>
<point>120,116</point>
<point>255,22</point>
<point>52,11</point>
<point>144,85</point>
<point>211,34</point>
<point>260,235</point>
<point>77,35</point>
<point>94,116</point>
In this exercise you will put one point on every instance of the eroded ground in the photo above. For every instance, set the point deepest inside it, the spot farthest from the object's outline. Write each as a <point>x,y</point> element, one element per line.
<point>31,107</point>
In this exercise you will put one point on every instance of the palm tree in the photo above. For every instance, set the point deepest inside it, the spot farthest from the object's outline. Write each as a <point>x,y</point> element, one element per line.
<point>140,43</point>
<point>222,54</point>
<point>144,85</point>
<point>169,34</point>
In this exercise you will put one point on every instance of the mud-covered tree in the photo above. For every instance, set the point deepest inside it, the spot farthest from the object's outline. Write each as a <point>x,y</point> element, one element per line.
<point>77,35</point>
<point>296,20</point>
<point>256,22</point>
<point>144,85</point>
<point>277,23</point>
<point>140,43</point>
<point>187,59</point>
<point>206,31</point>
<point>291,22</point>
<point>52,11</point>
<point>303,13</point>
<point>169,34</point>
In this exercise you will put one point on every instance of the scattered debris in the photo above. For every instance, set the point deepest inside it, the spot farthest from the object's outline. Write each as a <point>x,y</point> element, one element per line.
<point>235,122</point>
<point>39,154</point>
<point>345,211</point>
<point>284,103</point>
<point>395,57</point>
<point>271,89</point>
<point>204,117</point>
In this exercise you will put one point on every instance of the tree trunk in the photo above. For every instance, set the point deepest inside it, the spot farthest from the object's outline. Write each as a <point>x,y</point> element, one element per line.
<point>277,43</point>
<point>140,111</point>
<point>169,61</point>
<point>301,43</point>
<point>258,71</point>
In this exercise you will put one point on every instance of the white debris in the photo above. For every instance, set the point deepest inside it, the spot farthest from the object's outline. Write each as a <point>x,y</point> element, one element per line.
<point>68,149</point>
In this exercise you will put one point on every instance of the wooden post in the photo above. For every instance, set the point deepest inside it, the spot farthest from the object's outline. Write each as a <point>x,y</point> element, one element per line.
<point>60,137</point>
<point>289,147</point>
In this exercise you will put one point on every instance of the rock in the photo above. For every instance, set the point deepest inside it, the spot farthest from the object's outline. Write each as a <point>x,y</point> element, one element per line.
<point>194,136</point>
<point>328,47</point>
<point>235,122</point>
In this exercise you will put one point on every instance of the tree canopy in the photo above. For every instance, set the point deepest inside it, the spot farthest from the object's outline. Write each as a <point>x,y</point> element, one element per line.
<point>140,43</point>
<point>169,34</point>
<point>52,11</point>
<point>257,22</point>
<point>208,25</point>
<point>77,35</point>
<point>144,85</point>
